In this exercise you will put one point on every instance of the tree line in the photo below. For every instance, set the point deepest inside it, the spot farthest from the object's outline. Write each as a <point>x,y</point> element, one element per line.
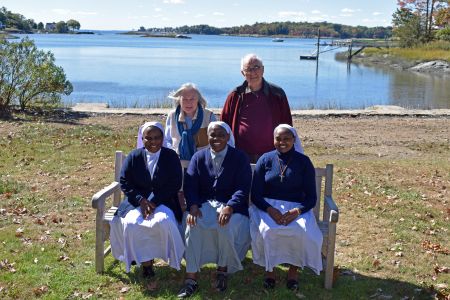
<point>421,21</point>
<point>15,21</point>
<point>299,29</point>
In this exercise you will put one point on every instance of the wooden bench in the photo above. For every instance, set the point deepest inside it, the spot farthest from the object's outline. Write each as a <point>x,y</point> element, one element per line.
<point>325,211</point>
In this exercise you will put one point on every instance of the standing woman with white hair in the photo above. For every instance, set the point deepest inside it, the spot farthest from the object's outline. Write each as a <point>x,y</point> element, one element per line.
<point>145,226</point>
<point>186,125</point>
<point>282,225</point>
<point>216,187</point>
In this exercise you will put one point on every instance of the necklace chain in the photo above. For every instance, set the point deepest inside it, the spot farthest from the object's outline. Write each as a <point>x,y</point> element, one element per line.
<point>283,169</point>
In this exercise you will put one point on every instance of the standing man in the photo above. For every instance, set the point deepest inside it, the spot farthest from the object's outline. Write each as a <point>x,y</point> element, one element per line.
<point>254,109</point>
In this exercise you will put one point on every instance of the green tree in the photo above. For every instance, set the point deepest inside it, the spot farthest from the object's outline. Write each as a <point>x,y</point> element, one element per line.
<point>73,25</point>
<point>61,27</point>
<point>407,27</point>
<point>40,26</point>
<point>443,34</point>
<point>29,77</point>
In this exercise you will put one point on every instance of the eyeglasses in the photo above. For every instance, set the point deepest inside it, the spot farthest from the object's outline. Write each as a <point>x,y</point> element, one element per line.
<point>252,69</point>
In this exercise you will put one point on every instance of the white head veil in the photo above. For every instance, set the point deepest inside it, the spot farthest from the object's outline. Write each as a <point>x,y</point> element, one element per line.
<point>227,129</point>
<point>146,125</point>
<point>297,143</point>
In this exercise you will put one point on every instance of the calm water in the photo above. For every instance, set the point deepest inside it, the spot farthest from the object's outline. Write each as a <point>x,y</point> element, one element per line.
<point>134,71</point>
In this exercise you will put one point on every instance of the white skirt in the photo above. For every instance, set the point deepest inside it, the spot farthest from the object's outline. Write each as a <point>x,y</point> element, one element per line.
<point>298,244</point>
<point>208,242</point>
<point>143,240</point>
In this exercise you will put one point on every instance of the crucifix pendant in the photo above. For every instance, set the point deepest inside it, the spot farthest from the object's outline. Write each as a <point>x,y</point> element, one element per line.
<point>281,177</point>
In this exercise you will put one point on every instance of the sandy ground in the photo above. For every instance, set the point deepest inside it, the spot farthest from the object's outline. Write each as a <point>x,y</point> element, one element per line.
<point>379,110</point>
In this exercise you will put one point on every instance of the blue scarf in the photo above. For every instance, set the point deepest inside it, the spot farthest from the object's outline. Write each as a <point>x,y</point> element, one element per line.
<point>187,143</point>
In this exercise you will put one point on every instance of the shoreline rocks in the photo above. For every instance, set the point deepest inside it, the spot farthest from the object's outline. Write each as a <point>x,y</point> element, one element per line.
<point>434,67</point>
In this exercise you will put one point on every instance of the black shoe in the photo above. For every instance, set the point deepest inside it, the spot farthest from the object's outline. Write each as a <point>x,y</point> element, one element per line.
<point>189,288</point>
<point>147,271</point>
<point>221,281</point>
<point>269,283</point>
<point>292,284</point>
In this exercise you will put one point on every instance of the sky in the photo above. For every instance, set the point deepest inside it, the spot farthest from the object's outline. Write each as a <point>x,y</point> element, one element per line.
<point>131,14</point>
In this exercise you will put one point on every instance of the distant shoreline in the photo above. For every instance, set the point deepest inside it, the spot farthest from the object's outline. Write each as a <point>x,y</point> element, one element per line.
<point>378,110</point>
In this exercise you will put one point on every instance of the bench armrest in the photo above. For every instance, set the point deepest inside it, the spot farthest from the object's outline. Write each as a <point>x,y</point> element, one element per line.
<point>99,198</point>
<point>331,206</point>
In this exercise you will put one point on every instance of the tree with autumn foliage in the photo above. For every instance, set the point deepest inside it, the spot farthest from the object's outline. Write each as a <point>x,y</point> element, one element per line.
<point>415,20</point>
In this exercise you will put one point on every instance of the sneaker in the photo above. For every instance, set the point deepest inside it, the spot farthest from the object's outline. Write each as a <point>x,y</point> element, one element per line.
<point>189,288</point>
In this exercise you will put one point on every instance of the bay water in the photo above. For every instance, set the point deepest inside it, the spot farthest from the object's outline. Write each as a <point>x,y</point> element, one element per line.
<point>133,71</point>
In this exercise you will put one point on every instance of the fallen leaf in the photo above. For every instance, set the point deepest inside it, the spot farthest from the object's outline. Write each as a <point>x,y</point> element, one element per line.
<point>40,290</point>
<point>438,269</point>
<point>124,289</point>
<point>35,260</point>
<point>19,232</point>
<point>376,263</point>
<point>436,247</point>
<point>63,258</point>
<point>39,221</point>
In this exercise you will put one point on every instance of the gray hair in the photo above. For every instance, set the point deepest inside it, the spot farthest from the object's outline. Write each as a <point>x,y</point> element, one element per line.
<point>250,57</point>
<point>176,95</point>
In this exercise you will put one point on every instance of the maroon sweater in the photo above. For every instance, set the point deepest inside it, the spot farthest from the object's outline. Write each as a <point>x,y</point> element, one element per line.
<point>242,118</point>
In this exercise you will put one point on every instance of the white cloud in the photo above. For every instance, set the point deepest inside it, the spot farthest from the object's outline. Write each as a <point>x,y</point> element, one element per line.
<point>316,12</point>
<point>174,1</point>
<point>85,13</point>
<point>346,15</point>
<point>376,13</point>
<point>376,21</point>
<point>158,9</point>
<point>347,10</point>
<point>66,12</point>
<point>186,12</point>
<point>216,13</point>
<point>61,11</point>
<point>199,16</point>
<point>291,14</point>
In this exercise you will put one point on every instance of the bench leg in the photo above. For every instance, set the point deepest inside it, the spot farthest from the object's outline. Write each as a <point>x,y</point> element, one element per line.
<point>329,268</point>
<point>99,246</point>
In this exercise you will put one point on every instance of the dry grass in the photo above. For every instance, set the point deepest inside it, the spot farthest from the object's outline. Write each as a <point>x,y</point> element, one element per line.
<point>391,183</point>
<point>433,51</point>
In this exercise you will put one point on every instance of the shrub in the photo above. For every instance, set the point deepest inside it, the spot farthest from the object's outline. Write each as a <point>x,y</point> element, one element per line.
<point>29,76</point>
<point>443,34</point>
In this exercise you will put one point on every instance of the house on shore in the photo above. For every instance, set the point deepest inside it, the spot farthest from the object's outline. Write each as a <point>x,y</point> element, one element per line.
<point>50,26</point>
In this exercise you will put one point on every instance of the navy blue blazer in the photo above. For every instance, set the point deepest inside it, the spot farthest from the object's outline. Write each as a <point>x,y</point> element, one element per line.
<point>299,184</point>
<point>231,187</point>
<point>136,182</point>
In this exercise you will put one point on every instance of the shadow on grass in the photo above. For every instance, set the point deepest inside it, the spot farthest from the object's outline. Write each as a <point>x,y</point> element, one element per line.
<point>59,115</point>
<point>247,284</point>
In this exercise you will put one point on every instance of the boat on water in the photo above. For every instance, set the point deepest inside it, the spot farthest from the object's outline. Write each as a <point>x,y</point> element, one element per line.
<point>277,40</point>
<point>182,36</point>
<point>308,57</point>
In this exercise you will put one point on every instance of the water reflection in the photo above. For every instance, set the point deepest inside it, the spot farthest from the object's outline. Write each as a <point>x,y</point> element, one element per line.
<point>419,90</point>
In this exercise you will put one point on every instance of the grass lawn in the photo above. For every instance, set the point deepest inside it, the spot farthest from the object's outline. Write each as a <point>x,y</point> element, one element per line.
<point>391,182</point>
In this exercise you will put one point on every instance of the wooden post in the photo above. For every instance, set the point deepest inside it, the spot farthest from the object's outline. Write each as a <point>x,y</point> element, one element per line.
<point>349,57</point>
<point>318,43</point>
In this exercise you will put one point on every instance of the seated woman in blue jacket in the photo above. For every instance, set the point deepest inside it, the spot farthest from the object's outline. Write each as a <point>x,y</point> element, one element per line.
<point>216,188</point>
<point>283,227</point>
<point>146,224</point>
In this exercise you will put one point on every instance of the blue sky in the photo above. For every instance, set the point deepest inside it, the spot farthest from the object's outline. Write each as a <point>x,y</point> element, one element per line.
<point>131,14</point>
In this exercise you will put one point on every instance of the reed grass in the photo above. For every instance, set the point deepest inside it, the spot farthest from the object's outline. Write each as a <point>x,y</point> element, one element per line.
<point>437,50</point>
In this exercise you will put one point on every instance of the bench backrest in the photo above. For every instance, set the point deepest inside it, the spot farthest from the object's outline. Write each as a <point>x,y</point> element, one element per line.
<point>324,183</point>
